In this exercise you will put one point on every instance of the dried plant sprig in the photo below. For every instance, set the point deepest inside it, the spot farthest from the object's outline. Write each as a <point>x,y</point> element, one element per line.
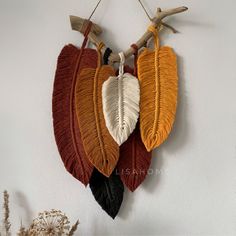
<point>73,228</point>
<point>22,231</point>
<point>6,222</point>
<point>48,223</point>
<point>52,222</point>
<point>30,231</point>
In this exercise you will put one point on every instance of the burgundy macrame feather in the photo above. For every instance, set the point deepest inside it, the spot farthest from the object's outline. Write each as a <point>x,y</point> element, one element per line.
<point>66,129</point>
<point>134,160</point>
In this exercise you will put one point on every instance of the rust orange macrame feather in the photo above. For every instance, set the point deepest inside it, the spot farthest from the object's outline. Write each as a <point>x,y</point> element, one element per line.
<point>67,134</point>
<point>157,72</point>
<point>101,149</point>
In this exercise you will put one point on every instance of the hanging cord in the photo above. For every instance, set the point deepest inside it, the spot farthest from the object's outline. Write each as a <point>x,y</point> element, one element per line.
<point>162,23</point>
<point>88,25</point>
<point>145,10</point>
<point>127,69</point>
<point>106,56</point>
<point>94,10</point>
<point>122,63</point>
<point>86,33</point>
<point>99,50</point>
<point>155,34</point>
<point>135,47</point>
<point>72,92</point>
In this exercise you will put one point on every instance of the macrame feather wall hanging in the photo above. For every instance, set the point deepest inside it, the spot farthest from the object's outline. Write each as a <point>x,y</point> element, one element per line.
<point>107,122</point>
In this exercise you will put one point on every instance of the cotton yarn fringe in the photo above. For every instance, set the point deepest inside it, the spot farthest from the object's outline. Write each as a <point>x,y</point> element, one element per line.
<point>157,73</point>
<point>108,192</point>
<point>121,96</point>
<point>101,149</point>
<point>67,134</point>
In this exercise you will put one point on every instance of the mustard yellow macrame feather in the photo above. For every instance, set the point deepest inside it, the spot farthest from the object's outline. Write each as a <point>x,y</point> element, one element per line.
<point>157,72</point>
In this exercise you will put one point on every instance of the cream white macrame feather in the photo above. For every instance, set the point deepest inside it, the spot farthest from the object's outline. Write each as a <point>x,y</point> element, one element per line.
<point>120,97</point>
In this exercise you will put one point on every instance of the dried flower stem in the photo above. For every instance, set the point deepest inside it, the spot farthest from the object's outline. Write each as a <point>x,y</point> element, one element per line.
<point>50,223</point>
<point>73,228</point>
<point>22,232</point>
<point>6,222</point>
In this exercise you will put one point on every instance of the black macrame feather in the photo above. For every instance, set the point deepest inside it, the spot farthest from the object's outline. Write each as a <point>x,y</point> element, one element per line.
<point>108,192</point>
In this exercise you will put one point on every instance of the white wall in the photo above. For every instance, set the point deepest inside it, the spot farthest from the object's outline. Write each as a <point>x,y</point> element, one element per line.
<point>195,192</point>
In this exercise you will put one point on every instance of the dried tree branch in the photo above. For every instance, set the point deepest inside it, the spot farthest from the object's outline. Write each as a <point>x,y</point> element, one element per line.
<point>79,24</point>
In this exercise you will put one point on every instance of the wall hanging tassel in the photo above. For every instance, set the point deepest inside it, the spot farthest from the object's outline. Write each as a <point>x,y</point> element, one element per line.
<point>67,134</point>
<point>101,149</point>
<point>120,96</point>
<point>157,73</point>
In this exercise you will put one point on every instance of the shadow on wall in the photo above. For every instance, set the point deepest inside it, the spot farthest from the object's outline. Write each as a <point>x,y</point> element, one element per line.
<point>22,200</point>
<point>127,204</point>
<point>180,133</point>
<point>178,136</point>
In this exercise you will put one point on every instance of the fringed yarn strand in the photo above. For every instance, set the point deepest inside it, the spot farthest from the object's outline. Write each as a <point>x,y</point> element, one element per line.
<point>157,73</point>
<point>121,96</point>
<point>108,192</point>
<point>101,149</point>
<point>135,160</point>
<point>66,129</point>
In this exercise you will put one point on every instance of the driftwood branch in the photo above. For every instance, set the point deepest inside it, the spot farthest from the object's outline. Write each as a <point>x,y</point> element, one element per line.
<point>79,24</point>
